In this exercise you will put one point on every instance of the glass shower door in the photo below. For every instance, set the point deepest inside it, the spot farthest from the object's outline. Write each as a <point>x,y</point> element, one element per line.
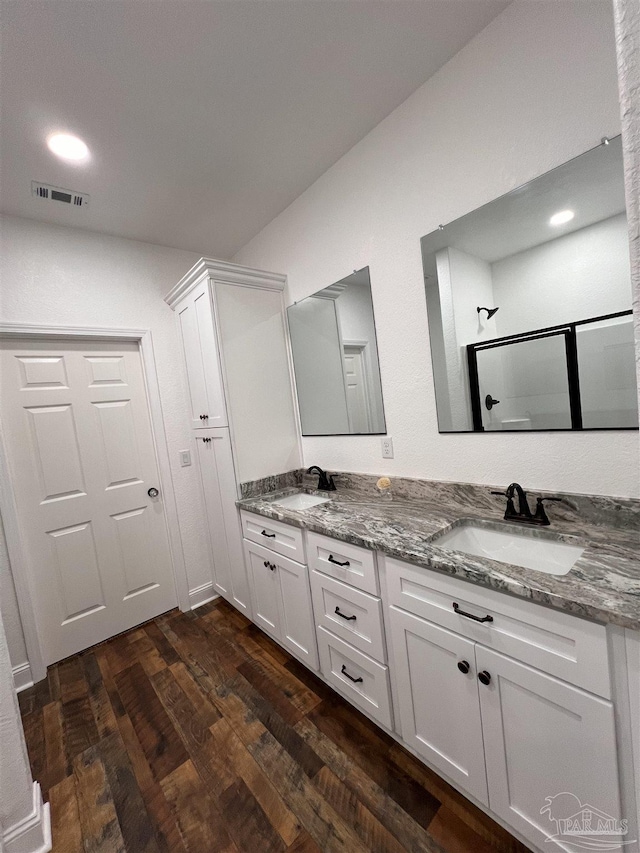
<point>524,384</point>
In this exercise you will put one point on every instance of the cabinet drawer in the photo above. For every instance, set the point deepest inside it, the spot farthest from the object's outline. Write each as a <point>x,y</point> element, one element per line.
<point>281,538</point>
<point>353,615</point>
<point>347,563</point>
<point>360,679</point>
<point>570,648</point>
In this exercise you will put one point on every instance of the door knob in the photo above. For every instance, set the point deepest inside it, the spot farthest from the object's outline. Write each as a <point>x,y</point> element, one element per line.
<point>484,677</point>
<point>490,402</point>
<point>153,493</point>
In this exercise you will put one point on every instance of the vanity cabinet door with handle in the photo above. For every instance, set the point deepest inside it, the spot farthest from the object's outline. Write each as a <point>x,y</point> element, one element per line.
<point>550,749</point>
<point>264,586</point>
<point>438,696</point>
<point>282,601</point>
<point>204,377</point>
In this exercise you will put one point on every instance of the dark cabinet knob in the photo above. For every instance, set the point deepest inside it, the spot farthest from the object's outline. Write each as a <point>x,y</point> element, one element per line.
<point>266,564</point>
<point>484,677</point>
<point>204,417</point>
<point>153,493</point>
<point>463,666</point>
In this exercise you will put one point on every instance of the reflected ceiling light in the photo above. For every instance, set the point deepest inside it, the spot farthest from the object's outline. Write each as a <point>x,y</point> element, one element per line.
<point>67,147</point>
<point>561,217</point>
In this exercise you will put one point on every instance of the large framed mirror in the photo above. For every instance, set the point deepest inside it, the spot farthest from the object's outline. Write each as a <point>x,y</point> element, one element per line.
<point>529,304</point>
<point>335,359</point>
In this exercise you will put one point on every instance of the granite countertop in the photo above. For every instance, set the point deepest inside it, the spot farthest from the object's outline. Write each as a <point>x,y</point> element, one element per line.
<point>603,585</point>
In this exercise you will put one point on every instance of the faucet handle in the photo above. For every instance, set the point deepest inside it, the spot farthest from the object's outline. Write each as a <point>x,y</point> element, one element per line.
<point>541,515</point>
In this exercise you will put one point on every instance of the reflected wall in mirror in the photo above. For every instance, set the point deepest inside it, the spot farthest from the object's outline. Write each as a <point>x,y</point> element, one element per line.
<point>335,359</point>
<point>529,304</point>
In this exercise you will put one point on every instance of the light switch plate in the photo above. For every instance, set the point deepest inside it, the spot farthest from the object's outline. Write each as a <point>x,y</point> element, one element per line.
<point>185,458</point>
<point>387,447</point>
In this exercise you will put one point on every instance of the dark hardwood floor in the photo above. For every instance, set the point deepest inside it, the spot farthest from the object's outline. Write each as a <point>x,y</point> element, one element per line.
<point>195,733</point>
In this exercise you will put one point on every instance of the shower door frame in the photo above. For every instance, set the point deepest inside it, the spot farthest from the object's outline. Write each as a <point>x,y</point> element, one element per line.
<point>568,330</point>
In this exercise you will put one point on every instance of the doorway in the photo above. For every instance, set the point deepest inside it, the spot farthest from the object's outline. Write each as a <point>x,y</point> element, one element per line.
<point>85,481</point>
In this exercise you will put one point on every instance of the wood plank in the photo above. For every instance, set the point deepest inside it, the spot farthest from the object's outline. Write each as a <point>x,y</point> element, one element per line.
<point>57,766</point>
<point>160,812</point>
<point>280,816</point>
<point>207,711</point>
<point>135,825</point>
<point>212,765</point>
<point>98,818</point>
<point>456,836</point>
<point>33,725</point>
<point>247,823</point>
<point>457,803</point>
<point>202,827</point>
<point>373,834</point>
<point>65,817</point>
<point>304,843</point>
<point>164,647</point>
<point>101,706</point>
<point>163,750</point>
<point>369,749</point>
<point>147,654</point>
<point>100,654</point>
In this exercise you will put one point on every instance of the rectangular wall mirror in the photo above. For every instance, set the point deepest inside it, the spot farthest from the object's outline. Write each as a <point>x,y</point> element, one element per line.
<point>335,359</point>
<point>529,303</point>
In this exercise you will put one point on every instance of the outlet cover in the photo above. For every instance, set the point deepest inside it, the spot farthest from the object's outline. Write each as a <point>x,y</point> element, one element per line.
<point>185,458</point>
<point>387,447</point>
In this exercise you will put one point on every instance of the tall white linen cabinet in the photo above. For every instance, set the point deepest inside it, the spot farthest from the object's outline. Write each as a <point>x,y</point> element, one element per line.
<point>239,387</point>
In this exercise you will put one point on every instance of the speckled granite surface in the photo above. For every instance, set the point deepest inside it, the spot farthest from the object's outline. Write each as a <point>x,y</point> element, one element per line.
<point>603,585</point>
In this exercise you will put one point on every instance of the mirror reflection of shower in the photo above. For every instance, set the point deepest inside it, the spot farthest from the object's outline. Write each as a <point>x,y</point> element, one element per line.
<point>546,268</point>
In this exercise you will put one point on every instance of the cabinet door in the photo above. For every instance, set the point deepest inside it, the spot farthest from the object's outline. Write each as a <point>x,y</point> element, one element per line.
<point>550,753</point>
<point>297,623</point>
<point>439,704</point>
<point>206,396</point>
<point>263,572</point>
<point>219,491</point>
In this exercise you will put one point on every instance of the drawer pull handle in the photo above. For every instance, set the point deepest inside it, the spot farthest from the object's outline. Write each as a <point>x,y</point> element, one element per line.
<point>348,618</point>
<point>269,535</point>
<point>337,562</point>
<point>486,618</point>
<point>350,677</point>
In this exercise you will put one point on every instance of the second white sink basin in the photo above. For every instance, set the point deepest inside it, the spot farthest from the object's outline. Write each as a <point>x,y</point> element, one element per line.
<point>511,546</point>
<point>300,501</point>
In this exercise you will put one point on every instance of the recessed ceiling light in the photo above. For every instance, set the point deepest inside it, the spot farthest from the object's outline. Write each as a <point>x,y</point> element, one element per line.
<point>561,217</point>
<point>68,147</point>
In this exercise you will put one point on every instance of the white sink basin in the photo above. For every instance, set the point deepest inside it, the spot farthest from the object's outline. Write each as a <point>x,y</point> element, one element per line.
<point>300,501</point>
<point>511,546</point>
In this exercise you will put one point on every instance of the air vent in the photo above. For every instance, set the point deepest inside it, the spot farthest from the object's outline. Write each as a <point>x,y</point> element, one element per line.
<point>48,193</point>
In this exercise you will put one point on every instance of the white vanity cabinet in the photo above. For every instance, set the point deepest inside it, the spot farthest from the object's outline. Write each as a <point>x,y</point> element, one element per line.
<point>239,390</point>
<point>511,702</point>
<point>507,732</point>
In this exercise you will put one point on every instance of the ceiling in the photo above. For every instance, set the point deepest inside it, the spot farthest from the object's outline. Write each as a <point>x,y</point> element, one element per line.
<point>591,185</point>
<point>205,118</point>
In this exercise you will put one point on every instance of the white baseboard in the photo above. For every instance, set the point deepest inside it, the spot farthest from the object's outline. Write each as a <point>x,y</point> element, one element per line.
<point>202,595</point>
<point>33,833</point>
<point>22,677</point>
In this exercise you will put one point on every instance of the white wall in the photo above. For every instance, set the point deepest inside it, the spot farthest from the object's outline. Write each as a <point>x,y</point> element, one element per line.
<point>537,87</point>
<point>584,274</point>
<point>63,276</point>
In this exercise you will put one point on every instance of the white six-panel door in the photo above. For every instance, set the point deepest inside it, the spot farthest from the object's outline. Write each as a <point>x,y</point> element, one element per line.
<point>81,455</point>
